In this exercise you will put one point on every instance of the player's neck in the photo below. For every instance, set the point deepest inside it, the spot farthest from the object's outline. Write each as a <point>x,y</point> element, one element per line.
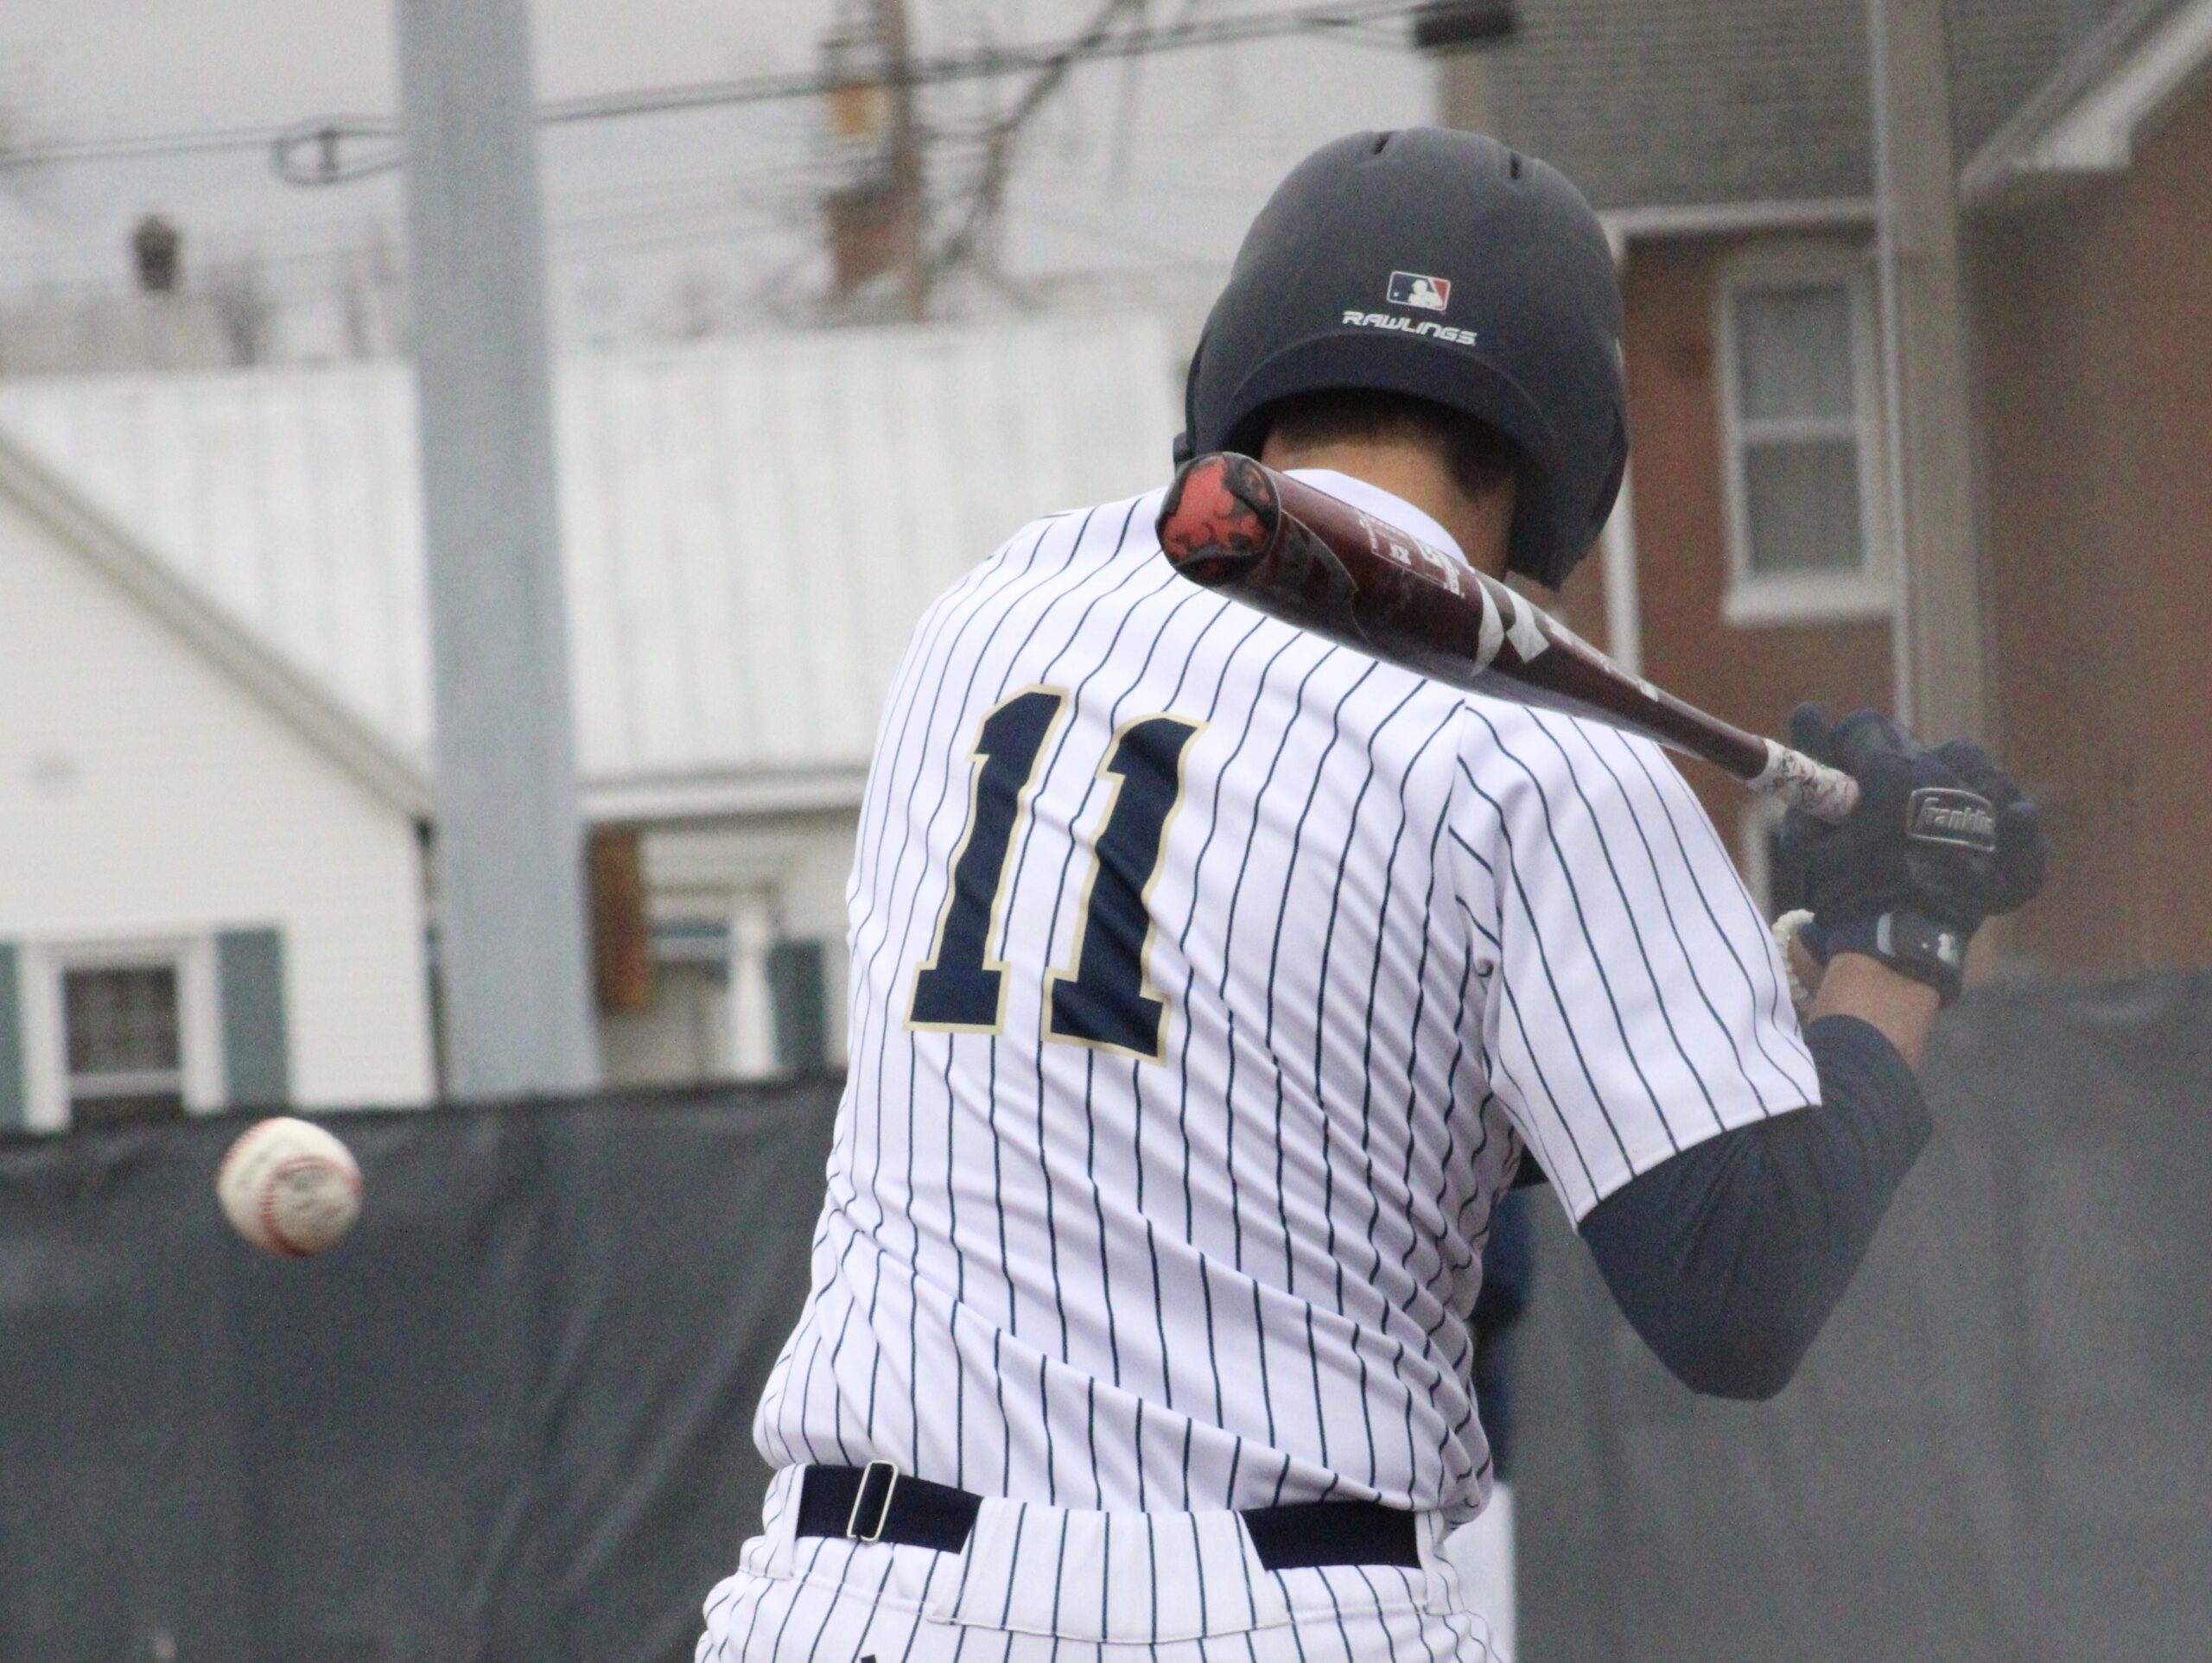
<point>1417,474</point>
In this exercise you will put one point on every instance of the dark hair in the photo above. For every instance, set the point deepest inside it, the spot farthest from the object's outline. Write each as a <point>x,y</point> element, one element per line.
<point>1479,458</point>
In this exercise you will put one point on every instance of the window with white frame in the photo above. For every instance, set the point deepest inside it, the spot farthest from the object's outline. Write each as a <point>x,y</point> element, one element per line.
<point>120,1030</point>
<point>1807,520</point>
<point>122,1042</point>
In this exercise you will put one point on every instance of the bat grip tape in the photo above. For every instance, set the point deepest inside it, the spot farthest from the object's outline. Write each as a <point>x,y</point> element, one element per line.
<point>1798,782</point>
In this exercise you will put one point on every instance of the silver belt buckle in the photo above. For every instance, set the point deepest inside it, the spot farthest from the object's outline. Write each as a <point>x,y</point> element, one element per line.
<point>852,1532</point>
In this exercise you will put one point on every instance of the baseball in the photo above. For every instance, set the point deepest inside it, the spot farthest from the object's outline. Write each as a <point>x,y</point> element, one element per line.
<point>289,1188</point>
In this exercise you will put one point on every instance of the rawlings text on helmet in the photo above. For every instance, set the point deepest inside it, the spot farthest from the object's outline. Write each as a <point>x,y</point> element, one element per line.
<point>1412,327</point>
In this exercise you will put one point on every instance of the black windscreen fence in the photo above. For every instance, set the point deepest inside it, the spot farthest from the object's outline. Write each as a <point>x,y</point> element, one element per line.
<point>2001,1447</point>
<point>509,1419</point>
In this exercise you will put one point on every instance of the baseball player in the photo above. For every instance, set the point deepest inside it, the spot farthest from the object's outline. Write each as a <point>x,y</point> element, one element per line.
<point>1210,983</point>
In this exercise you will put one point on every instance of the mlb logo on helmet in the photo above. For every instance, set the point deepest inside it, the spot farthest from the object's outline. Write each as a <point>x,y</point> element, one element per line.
<point>1414,289</point>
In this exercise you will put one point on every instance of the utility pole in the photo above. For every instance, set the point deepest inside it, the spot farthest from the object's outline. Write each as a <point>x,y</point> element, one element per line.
<point>514,965</point>
<point>906,159</point>
<point>1941,641</point>
<point>876,220</point>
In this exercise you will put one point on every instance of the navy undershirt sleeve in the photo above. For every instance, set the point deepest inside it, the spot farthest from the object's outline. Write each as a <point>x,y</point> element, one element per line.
<point>1728,1257</point>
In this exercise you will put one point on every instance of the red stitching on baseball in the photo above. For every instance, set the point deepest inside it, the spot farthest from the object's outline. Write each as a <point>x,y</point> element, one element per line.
<point>267,1210</point>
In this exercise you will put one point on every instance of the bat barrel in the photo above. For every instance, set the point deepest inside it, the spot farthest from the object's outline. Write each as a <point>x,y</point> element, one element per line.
<point>1319,564</point>
<point>1222,516</point>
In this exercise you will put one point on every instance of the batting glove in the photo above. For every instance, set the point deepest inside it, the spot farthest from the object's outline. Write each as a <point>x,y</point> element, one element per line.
<point>1940,840</point>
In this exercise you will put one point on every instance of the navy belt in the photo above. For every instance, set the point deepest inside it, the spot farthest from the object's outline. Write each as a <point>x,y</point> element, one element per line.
<point>879,1503</point>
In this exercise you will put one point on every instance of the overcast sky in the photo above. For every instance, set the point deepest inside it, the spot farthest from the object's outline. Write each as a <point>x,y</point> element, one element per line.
<point>1157,164</point>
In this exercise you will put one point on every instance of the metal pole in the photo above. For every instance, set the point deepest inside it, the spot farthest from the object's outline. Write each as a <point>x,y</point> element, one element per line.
<point>1942,637</point>
<point>512,949</point>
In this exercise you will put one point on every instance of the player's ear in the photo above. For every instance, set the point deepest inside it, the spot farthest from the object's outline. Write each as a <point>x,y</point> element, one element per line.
<point>1186,446</point>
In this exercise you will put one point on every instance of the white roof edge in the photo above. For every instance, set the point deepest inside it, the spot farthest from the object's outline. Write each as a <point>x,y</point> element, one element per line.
<point>2084,119</point>
<point>720,795</point>
<point>1623,226</point>
<point>342,736</point>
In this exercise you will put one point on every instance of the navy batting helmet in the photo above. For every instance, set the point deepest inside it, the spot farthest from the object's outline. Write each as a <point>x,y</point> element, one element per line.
<point>1441,265</point>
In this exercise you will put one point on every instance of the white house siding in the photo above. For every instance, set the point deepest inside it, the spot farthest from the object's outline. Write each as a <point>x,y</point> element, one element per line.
<point>145,793</point>
<point>749,528</point>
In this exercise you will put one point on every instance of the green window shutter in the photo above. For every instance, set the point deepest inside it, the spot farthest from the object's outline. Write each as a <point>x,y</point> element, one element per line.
<point>256,1059</point>
<point>15,1087</point>
<point>798,1004</point>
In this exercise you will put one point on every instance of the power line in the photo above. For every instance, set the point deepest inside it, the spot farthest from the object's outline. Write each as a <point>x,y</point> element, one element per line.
<point>316,151</point>
<point>568,207</point>
<point>82,270</point>
<point>210,142</point>
<point>989,62</point>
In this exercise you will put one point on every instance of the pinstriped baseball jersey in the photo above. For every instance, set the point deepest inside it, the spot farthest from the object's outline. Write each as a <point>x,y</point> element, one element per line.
<point>1208,982</point>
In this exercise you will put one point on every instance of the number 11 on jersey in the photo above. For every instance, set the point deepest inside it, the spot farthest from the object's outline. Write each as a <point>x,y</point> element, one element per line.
<point>1103,1000</point>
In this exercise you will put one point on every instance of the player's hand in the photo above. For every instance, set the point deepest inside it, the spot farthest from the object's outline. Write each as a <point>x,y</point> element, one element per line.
<point>1942,840</point>
<point>2022,850</point>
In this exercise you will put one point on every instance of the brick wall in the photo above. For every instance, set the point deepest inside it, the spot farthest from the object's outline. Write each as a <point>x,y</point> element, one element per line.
<point>1753,676</point>
<point>2093,347</point>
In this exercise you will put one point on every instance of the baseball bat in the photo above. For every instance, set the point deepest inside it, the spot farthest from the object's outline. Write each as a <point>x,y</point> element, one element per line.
<point>1299,555</point>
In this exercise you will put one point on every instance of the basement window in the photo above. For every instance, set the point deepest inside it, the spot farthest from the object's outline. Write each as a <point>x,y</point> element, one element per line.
<point>120,1030</point>
<point>1806,508</point>
<point>122,1043</point>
